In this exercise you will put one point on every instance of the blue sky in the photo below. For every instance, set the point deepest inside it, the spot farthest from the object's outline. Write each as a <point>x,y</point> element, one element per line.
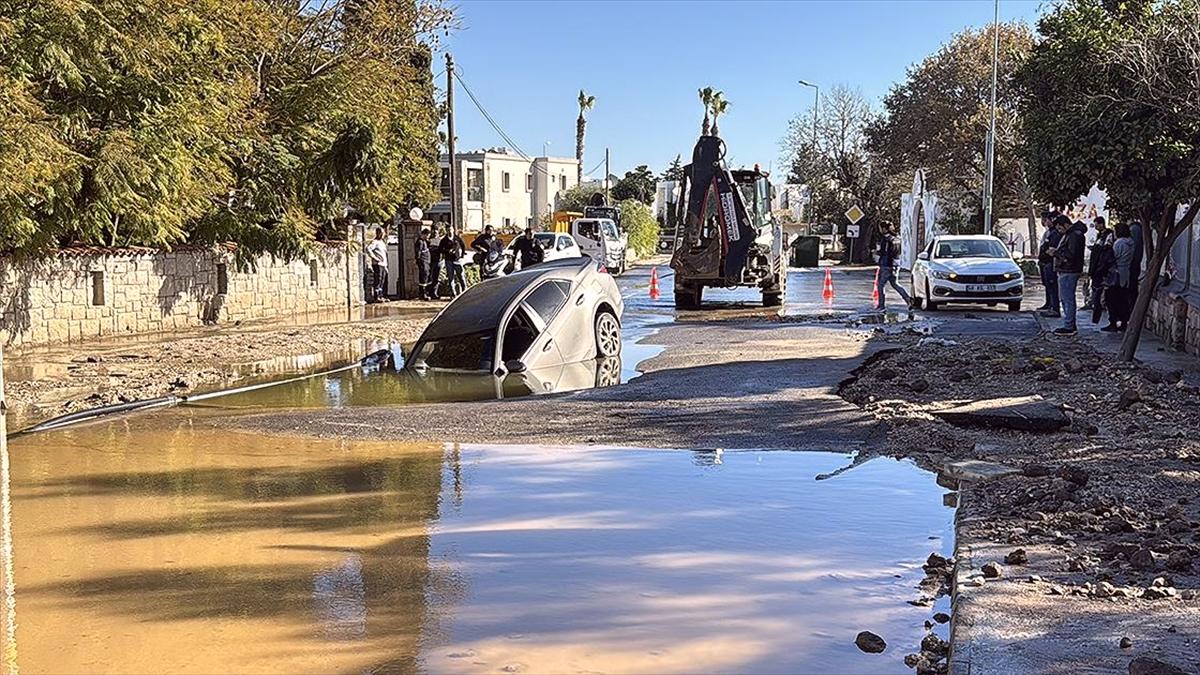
<point>644,61</point>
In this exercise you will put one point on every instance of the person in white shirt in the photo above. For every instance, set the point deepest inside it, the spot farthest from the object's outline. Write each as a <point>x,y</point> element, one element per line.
<point>377,253</point>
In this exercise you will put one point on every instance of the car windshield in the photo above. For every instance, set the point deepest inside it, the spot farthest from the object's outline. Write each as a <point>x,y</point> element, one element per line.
<point>546,239</point>
<point>971,248</point>
<point>473,351</point>
<point>589,229</point>
<point>610,230</point>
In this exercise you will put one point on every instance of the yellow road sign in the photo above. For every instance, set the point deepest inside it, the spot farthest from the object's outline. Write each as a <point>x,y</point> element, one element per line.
<point>855,214</point>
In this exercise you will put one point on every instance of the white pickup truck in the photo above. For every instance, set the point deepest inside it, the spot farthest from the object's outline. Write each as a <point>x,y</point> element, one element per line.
<point>602,240</point>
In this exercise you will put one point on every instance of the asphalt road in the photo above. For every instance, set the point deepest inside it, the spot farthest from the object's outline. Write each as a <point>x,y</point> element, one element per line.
<point>732,375</point>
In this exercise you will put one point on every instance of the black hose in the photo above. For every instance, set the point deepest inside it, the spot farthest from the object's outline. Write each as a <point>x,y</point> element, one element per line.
<point>92,413</point>
<point>374,358</point>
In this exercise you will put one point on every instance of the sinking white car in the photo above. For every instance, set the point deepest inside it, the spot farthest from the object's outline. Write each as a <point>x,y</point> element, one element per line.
<point>975,269</point>
<point>556,313</point>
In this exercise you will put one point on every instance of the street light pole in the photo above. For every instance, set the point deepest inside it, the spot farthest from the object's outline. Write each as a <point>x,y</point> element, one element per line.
<point>989,184</point>
<point>816,106</point>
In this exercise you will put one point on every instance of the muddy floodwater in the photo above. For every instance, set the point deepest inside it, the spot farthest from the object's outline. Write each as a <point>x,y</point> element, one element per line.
<point>158,544</point>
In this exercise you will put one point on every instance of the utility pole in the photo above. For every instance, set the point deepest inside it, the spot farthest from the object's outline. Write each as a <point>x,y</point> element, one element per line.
<point>989,184</point>
<point>606,176</point>
<point>450,139</point>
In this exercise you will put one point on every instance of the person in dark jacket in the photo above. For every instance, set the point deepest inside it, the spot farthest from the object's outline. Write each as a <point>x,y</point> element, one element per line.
<point>453,249</point>
<point>528,249</point>
<point>486,241</point>
<point>422,257</point>
<point>435,264</point>
<point>1121,292</point>
<point>889,259</point>
<point>1137,235</point>
<point>1068,265</point>
<point>1050,238</point>
<point>1101,265</point>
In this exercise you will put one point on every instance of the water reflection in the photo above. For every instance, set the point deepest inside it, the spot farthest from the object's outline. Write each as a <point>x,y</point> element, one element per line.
<point>146,545</point>
<point>383,381</point>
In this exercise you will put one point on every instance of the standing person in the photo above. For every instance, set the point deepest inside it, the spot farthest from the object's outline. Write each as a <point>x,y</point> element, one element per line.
<point>453,251</point>
<point>1050,239</point>
<point>1136,234</point>
<point>377,254</point>
<point>435,265</point>
<point>422,258</point>
<point>1120,293</point>
<point>1068,265</point>
<point>527,248</point>
<point>889,258</point>
<point>1101,265</point>
<point>485,241</point>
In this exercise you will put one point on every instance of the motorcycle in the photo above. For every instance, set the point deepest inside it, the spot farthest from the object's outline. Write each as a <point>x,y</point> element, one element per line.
<point>493,263</point>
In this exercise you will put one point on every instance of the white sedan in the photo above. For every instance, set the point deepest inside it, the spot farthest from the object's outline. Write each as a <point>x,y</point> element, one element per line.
<point>974,269</point>
<point>557,246</point>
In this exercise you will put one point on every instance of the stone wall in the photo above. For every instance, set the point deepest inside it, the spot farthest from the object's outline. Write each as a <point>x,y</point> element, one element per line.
<point>85,293</point>
<point>1175,317</point>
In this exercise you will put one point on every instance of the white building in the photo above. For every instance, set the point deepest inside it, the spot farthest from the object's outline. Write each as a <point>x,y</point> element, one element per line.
<point>500,188</point>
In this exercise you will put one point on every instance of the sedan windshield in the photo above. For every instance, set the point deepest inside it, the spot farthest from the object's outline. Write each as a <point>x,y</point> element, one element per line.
<point>971,248</point>
<point>473,351</point>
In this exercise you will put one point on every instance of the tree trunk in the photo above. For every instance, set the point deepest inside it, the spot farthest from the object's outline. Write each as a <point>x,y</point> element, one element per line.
<point>580,130</point>
<point>1137,320</point>
<point>1158,242</point>
<point>1033,235</point>
<point>706,126</point>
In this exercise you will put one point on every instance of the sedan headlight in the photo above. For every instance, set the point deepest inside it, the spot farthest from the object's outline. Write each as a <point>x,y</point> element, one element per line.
<point>939,274</point>
<point>1016,274</point>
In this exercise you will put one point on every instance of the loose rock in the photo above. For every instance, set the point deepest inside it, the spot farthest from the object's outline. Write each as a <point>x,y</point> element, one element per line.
<point>870,642</point>
<point>1016,557</point>
<point>992,570</point>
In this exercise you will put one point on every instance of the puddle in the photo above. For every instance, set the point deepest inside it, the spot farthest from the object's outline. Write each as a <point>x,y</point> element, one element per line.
<point>384,381</point>
<point>156,543</point>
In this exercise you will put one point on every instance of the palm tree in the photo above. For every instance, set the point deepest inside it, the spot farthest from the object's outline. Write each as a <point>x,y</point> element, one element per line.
<point>585,104</point>
<point>719,106</point>
<point>706,97</point>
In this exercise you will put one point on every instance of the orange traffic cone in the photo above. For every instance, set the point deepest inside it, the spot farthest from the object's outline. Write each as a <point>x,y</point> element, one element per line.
<point>654,283</point>
<point>827,292</point>
<point>875,290</point>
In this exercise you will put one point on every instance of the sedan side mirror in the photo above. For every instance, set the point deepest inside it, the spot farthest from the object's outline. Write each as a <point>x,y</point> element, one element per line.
<point>923,255</point>
<point>515,366</point>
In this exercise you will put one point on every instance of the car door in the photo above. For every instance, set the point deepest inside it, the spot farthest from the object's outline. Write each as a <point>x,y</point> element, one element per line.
<point>589,238</point>
<point>566,247</point>
<point>541,308</point>
<point>920,272</point>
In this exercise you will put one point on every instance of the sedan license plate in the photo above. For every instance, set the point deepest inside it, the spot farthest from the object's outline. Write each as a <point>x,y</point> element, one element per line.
<point>981,288</point>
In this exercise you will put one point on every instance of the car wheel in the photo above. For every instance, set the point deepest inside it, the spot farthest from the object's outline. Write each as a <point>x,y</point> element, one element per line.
<point>1014,306</point>
<point>917,301</point>
<point>608,335</point>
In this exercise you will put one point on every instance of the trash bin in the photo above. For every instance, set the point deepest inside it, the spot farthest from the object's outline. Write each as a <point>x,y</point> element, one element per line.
<point>806,252</point>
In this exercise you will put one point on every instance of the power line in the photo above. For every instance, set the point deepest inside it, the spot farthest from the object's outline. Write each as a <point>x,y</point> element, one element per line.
<point>496,125</point>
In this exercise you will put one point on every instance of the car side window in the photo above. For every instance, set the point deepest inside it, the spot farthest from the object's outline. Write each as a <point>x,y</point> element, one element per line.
<point>519,335</point>
<point>565,243</point>
<point>548,299</point>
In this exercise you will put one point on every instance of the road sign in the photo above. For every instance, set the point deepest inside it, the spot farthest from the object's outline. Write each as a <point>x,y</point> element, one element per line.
<point>854,215</point>
<point>852,232</point>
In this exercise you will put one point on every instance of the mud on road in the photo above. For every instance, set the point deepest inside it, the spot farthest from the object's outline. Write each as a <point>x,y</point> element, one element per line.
<point>1088,555</point>
<point>731,384</point>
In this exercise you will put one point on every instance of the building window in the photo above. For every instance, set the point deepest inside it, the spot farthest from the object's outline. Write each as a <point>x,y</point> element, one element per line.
<point>506,181</point>
<point>529,221</point>
<point>222,279</point>
<point>313,273</point>
<point>97,288</point>
<point>445,184</point>
<point>474,185</point>
<point>529,182</point>
<point>562,181</point>
<point>507,223</point>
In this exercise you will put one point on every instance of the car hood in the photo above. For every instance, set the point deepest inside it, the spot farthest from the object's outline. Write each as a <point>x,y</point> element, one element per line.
<point>977,265</point>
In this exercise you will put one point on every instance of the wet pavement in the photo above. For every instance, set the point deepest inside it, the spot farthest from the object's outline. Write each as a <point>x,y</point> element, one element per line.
<point>183,540</point>
<point>159,544</point>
